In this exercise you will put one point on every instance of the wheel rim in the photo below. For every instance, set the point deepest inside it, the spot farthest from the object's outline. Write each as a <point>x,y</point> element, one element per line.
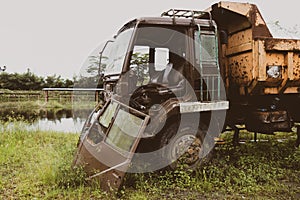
<point>186,149</point>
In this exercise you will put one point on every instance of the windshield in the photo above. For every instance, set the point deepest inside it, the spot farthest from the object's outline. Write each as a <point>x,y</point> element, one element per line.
<point>114,54</point>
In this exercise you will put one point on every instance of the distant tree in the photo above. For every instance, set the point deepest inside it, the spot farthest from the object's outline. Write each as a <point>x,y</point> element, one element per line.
<point>50,81</point>
<point>93,67</point>
<point>55,81</point>
<point>4,80</point>
<point>30,81</point>
<point>68,83</point>
<point>59,82</point>
<point>139,63</point>
<point>92,76</point>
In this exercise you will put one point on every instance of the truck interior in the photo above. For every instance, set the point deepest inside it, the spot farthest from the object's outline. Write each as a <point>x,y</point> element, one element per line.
<point>164,50</point>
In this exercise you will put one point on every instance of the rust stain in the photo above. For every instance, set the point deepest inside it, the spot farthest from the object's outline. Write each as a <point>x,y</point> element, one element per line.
<point>296,69</point>
<point>282,44</point>
<point>259,26</point>
<point>251,49</point>
<point>241,72</point>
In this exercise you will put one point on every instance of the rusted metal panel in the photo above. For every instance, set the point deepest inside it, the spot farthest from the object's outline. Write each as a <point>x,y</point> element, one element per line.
<point>239,42</point>
<point>287,90</point>
<point>239,49</point>
<point>295,75</point>
<point>292,90</point>
<point>108,181</point>
<point>249,69</point>
<point>104,156</point>
<point>268,121</point>
<point>240,69</point>
<point>275,59</point>
<point>240,38</point>
<point>290,65</point>
<point>241,8</point>
<point>259,25</point>
<point>249,60</point>
<point>260,63</point>
<point>275,44</point>
<point>236,17</point>
<point>251,52</point>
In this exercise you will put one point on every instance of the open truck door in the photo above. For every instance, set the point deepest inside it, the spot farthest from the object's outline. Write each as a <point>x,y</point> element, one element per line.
<point>107,146</point>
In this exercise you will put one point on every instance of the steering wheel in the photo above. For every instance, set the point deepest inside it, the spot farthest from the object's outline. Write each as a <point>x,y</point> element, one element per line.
<point>147,95</point>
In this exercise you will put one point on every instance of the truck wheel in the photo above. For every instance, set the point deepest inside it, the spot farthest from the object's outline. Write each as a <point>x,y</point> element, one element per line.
<point>182,147</point>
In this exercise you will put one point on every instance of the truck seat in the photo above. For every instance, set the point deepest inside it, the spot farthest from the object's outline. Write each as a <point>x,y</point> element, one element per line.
<point>170,78</point>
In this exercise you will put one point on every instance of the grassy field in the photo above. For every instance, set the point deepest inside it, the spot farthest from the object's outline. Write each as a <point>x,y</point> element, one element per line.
<point>37,165</point>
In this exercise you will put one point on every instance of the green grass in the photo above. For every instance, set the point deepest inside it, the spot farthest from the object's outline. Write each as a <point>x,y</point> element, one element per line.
<point>249,171</point>
<point>37,165</point>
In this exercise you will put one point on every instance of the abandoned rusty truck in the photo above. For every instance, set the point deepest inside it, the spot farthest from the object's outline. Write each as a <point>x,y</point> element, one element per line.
<point>173,83</point>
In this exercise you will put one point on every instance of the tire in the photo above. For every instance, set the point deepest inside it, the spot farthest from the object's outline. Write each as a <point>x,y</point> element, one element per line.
<point>183,146</point>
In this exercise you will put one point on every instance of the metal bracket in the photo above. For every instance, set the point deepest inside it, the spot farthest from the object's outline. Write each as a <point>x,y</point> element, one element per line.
<point>189,14</point>
<point>190,107</point>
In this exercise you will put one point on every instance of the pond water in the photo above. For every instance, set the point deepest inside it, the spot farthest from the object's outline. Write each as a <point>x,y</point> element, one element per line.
<point>68,125</point>
<point>62,120</point>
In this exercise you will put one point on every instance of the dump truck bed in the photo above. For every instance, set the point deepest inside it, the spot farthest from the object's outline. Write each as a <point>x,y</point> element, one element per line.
<point>249,66</point>
<point>252,61</point>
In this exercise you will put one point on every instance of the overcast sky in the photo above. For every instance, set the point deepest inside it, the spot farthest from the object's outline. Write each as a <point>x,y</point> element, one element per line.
<point>55,37</point>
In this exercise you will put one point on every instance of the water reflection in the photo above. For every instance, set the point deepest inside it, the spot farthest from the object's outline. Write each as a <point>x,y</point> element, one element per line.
<point>63,120</point>
<point>62,125</point>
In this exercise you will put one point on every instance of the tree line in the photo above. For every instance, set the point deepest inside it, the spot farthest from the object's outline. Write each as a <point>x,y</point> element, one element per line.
<point>30,81</point>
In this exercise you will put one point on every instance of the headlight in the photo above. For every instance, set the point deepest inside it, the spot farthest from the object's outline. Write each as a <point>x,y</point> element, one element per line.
<point>274,71</point>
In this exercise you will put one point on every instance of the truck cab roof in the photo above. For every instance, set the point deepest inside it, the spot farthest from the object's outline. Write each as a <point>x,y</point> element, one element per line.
<point>178,21</point>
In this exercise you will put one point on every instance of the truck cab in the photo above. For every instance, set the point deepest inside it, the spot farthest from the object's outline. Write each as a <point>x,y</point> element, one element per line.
<point>163,101</point>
